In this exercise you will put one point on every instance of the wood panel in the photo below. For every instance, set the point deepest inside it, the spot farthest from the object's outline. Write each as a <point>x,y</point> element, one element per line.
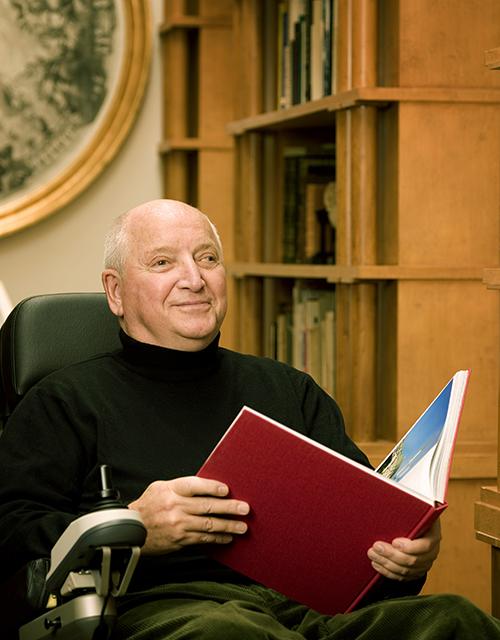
<point>249,242</point>
<point>448,209</point>
<point>443,327</point>
<point>356,352</point>
<point>449,50</point>
<point>463,565</point>
<point>216,86</point>
<point>247,57</point>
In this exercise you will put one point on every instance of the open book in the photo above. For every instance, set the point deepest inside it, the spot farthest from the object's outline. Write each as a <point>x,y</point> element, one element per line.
<point>315,513</point>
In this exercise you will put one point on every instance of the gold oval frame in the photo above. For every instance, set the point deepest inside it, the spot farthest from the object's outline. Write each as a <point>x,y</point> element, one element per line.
<point>106,139</point>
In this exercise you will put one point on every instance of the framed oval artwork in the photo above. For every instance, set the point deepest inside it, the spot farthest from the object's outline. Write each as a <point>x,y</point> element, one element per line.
<point>72,77</point>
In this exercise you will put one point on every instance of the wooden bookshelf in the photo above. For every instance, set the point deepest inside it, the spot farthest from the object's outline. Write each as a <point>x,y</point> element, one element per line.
<point>415,121</point>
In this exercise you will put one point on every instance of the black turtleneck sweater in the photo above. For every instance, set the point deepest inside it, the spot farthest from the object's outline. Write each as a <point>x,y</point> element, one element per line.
<point>150,413</point>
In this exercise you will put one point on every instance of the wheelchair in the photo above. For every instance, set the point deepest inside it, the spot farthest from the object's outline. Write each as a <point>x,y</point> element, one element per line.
<point>71,595</point>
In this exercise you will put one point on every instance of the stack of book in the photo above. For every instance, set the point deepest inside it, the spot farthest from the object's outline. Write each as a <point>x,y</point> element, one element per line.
<point>306,50</point>
<point>309,204</point>
<point>305,334</point>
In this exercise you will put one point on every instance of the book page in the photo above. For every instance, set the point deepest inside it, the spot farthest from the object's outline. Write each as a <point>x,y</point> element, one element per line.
<point>441,463</point>
<point>417,477</point>
<point>418,446</point>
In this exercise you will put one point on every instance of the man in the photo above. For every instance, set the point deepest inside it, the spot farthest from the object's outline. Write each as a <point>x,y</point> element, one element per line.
<point>154,411</point>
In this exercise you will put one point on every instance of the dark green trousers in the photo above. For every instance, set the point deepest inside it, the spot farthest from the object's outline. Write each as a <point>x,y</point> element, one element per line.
<point>212,611</point>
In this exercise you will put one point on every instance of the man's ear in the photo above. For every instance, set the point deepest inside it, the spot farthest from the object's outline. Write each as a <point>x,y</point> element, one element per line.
<point>111,281</point>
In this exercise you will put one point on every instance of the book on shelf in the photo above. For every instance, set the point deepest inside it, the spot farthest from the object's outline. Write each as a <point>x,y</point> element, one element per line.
<point>284,335</point>
<point>327,20</point>
<point>317,50</point>
<point>283,57</point>
<point>313,315</point>
<point>305,46</point>
<point>308,235</point>
<point>315,513</point>
<point>303,333</point>
<point>328,350</point>
<point>320,229</point>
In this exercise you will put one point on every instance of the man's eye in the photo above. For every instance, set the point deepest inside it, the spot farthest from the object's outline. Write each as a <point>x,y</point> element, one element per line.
<point>208,258</point>
<point>161,262</point>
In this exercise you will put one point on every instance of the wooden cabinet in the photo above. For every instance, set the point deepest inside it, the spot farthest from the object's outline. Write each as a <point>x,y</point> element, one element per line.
<point>415,122</point>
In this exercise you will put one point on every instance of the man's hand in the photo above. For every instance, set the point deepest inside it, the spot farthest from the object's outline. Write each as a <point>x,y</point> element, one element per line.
<point>189,510</point>
<point>406,559</point>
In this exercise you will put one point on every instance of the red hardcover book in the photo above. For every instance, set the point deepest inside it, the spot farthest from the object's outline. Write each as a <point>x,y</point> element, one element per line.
<point>315,513</point>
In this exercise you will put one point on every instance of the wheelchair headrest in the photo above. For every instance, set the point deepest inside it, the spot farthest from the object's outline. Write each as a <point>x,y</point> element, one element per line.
<point>46,332</point>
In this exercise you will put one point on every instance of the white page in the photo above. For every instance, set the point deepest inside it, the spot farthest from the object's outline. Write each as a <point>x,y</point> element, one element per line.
<point>420,460</point>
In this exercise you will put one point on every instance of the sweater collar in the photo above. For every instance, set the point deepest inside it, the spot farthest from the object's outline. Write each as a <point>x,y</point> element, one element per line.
<point>171,364</point>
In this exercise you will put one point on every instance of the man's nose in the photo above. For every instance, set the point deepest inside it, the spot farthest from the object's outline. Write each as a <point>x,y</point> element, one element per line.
<point>191,275</point>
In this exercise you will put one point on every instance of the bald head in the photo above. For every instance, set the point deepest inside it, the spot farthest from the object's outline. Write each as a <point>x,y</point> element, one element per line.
<point>116,241</point>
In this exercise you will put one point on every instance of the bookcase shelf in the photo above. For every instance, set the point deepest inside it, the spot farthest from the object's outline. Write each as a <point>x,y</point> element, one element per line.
<point>319,112</point>
<point>194,144</point>
<point>351,274</point>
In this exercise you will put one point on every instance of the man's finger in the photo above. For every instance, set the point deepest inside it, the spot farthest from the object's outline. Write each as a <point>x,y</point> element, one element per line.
<point>213,525</point>
<point>217,506</point>
<point>189,486</point>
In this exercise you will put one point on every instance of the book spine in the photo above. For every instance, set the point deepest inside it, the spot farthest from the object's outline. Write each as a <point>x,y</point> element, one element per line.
<point>327,47</point>
<point>282,53</point>
<point>284,336</point>
<point>316,62</point>
<point>306,49</point>
<point>290,208</point>
<point>334,46</point>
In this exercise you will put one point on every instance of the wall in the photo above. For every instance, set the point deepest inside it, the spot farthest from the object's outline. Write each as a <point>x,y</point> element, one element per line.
<point>64,251</point>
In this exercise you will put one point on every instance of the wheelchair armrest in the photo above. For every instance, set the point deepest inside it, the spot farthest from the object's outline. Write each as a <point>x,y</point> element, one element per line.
<point>77,546</point>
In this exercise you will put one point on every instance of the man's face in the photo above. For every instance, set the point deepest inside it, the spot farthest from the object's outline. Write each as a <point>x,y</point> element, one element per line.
<point>172,291</point>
